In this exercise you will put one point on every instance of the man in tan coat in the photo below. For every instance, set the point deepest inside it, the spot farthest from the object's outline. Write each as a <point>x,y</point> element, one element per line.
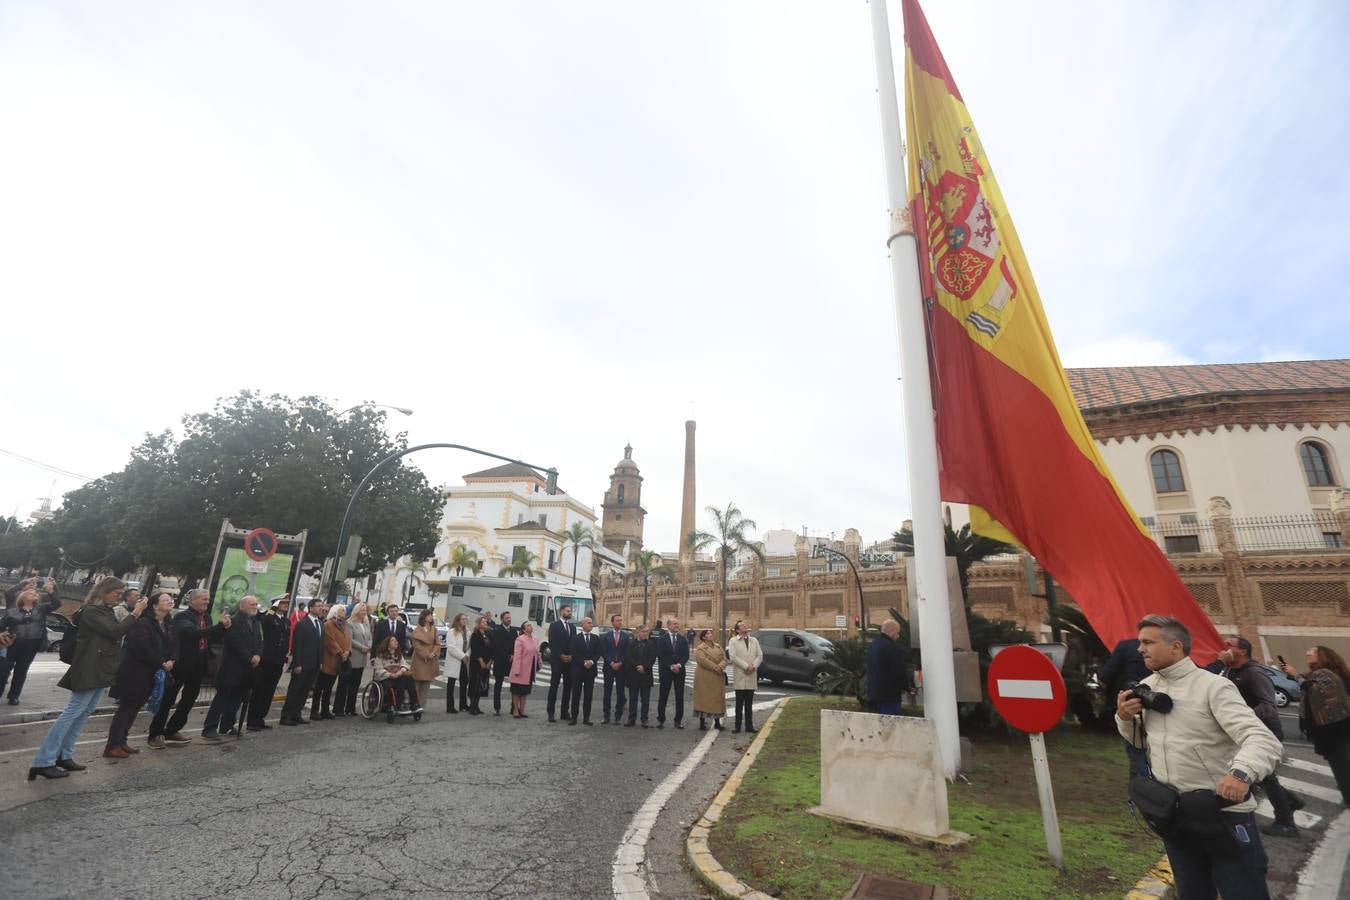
<point>1202,740</point>
<point>745,655</point>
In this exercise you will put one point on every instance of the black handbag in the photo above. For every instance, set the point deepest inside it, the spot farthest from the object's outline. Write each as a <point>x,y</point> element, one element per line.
<point>1158,804</point>
<point>1202,819</point>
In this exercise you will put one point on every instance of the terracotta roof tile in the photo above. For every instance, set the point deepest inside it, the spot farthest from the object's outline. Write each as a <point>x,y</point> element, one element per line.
<point>1128,385</point>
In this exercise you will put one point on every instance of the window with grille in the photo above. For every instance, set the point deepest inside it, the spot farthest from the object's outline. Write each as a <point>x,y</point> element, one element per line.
<point>1183,543</point>
<point>621,493</point>
<point>1167,472</point>
<point>1316,466</point>
<point>1333,539</point>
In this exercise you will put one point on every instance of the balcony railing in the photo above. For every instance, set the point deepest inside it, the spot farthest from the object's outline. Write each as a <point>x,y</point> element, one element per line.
<point>1251,534</point>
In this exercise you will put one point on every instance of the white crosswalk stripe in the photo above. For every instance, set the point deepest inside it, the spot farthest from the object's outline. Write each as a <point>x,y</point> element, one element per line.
<point>1308,766</point>
<point>1301,818</point>
<point>1331,795</point>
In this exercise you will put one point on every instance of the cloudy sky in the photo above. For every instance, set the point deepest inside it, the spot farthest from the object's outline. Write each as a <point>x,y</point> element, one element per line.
<point>552,228</point>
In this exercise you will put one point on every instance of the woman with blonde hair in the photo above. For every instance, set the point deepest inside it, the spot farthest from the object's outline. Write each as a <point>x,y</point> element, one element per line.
<point>710,681</point>
<point>97,654</point>
<point>349,682</point>
<point>337,650</point>
<point>426,654</point>
<point>457,663</point>
<point>27,621</point>
<point>525,662</point>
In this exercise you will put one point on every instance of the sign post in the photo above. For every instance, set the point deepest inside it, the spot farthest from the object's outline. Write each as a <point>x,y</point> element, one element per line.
<point>260,545</point>
<point>1029,693</point>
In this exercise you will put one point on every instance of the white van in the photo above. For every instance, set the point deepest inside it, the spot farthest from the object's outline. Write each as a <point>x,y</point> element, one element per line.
<point>524,598</point>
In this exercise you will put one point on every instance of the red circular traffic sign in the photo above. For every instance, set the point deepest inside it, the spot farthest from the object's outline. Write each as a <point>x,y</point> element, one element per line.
<point>1027,689</point>
<point>260,544</point>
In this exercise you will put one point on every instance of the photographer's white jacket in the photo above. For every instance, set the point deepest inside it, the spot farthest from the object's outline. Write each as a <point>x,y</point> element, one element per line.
<point>1209,731</point>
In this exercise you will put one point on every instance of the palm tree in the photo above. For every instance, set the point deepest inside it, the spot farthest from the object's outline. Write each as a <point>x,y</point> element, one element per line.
<point>417,574</point>
<point>965,546</point>
<point>729,538</point>
<point>462,558</point>
<point>581,538</point>
<point>521,566</point>
<point>647,564</point>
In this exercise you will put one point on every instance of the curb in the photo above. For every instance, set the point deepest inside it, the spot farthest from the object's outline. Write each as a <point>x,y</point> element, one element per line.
<point>1157,883</point>
<point>705,865</point>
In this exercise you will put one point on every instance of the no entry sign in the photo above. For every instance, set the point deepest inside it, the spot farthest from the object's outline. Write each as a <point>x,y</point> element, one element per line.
<point>260,544</point>
<point>1027,689</point>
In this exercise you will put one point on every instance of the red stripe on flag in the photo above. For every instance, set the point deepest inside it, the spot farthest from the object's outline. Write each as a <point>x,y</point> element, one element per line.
<point>922,46</point>
<point>1002,446</point>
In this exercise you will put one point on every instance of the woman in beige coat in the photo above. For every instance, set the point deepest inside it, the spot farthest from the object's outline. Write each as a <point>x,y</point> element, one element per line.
<point>426,654</point>
<point>710,681</point>
<point>744,653</point>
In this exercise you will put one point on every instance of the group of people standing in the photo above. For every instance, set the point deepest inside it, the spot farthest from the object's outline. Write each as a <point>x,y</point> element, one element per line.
<point>137,648</point>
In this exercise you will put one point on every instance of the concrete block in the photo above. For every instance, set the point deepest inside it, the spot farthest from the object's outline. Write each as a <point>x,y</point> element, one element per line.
<point>883,772</point>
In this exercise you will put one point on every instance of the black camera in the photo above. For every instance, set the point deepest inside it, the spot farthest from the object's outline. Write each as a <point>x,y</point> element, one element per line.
<point>1154,700</point>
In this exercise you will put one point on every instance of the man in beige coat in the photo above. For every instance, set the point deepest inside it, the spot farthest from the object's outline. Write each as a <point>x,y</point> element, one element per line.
<point>1208,742</point>
<point>745,655</point>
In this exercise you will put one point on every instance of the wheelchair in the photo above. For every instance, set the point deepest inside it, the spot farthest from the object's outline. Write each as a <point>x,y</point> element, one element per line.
<point>380,697</point>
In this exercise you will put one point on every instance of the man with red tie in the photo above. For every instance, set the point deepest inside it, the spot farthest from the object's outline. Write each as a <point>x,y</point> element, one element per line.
<point>613,649</point>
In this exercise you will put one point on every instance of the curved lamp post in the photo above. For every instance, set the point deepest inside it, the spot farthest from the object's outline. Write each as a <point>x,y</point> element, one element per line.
<point>345,532</point>
<point>857,579</point>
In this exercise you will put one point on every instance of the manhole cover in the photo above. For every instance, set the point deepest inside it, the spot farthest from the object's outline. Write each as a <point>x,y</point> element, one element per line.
<point>877,887</point>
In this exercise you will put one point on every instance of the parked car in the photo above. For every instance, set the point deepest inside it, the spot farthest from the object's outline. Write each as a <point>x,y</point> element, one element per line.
<point>1286,689</point>
<point>57,625</point>
<point>792,655</point>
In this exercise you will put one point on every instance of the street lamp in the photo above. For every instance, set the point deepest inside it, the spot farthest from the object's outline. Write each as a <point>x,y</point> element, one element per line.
<point>345,532</point>
<point>371,403</point>
<point>857,579</point>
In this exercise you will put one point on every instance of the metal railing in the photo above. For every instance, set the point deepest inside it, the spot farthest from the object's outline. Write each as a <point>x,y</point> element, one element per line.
<point>1311,531</point>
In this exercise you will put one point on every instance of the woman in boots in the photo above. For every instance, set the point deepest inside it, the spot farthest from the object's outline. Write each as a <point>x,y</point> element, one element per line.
<point>710,681</point>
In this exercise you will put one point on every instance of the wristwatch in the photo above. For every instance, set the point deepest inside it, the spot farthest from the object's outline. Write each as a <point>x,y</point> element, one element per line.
<point>1240,776</point>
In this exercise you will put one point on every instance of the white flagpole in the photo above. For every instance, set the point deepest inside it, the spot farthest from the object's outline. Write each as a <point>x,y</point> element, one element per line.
<point>930,546</point>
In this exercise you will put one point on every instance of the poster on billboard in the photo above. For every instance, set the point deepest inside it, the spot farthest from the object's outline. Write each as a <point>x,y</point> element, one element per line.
<point>234,575</point>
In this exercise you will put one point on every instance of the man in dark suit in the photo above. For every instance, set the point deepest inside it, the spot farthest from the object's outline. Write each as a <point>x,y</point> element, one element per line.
<point>397,627</point>
<point>503,648</point>
<point>672,652</point>
<point>614,650</point>
<point>640,661</point>
<point>586,661</point>
<point>276,632</point>
<point>241,655</point>
<point>306,653</point>
<point>194,632</point>
<point>560,661</point>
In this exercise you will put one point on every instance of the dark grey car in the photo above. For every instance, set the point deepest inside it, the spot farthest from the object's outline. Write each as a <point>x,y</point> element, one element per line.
<point>792,655</point>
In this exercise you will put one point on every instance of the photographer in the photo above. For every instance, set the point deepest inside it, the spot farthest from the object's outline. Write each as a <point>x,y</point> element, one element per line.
<point>1206,745</point>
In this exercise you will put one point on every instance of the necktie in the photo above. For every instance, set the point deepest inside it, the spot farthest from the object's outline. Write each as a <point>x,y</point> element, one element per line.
<point>201,624</point>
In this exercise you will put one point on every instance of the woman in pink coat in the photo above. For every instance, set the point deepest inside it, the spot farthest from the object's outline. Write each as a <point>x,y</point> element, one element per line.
<point>524,664</point>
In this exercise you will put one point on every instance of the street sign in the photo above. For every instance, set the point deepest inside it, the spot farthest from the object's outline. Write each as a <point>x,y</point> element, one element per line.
<point>841,621</point>
<point>1027,689</point>
<point>260,544</point>
<point>255,567</point>
<point>1057,652</point>
<point>1029,693</point>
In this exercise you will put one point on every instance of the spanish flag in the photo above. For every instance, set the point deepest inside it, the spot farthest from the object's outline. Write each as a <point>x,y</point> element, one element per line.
<point>1011,441</point>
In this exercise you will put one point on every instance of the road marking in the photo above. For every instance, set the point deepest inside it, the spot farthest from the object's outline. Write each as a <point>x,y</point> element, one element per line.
<point>1025,689</point>
<point>1301,819</point>
<point>35,749</point>
<point>628,879</point>
<point>1321,874</point>
<point>1308,766</point>
<point>1331,795</point>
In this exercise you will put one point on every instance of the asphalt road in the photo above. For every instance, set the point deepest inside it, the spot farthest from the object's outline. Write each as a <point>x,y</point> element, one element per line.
<point>480,806</point>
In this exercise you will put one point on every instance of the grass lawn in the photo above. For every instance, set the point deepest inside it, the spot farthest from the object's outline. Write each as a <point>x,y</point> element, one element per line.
<point>769,840</point>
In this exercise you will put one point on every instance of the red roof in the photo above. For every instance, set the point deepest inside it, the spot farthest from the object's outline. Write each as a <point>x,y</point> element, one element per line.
<point>1128,385</point>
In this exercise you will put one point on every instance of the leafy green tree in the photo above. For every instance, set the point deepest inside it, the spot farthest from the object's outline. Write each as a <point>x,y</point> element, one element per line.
<point>965,546</point>
<point>579,538</point>
<point>729,537</point>
<point>647,565</point>
<point>521,566</point>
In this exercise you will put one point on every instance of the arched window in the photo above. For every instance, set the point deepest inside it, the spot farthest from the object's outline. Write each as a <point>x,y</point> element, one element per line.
<point>621,493</point>
<point>1167,472</point>
<point>1316,464</point>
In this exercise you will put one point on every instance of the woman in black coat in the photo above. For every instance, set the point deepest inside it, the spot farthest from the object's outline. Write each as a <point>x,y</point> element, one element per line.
<point>147,649</point>
<point>480,663</point>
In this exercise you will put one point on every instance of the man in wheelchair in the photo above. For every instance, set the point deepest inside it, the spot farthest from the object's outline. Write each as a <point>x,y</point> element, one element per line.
<point>394,688</point>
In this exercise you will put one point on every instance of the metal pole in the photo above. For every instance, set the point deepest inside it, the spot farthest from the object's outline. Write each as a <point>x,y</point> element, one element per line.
<point>1049,818</point>
<point>345,532</point>
<point>930,555</point>
<point>1052,607</point>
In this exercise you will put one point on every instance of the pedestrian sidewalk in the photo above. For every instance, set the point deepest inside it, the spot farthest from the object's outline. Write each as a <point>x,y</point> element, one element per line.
<point>42,699</point>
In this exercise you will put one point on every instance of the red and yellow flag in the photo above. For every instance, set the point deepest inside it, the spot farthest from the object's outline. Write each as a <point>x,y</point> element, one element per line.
<point>1011,441</point>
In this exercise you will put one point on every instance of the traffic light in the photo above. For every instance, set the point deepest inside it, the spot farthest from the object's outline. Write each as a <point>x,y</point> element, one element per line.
<point>857,621</point>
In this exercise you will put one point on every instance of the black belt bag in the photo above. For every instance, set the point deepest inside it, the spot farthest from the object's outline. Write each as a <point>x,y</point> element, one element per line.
<point>1157,804</point>
<point>1203,820</point>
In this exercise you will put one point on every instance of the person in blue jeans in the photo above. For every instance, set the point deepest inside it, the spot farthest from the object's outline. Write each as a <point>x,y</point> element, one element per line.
<point>97,654</point>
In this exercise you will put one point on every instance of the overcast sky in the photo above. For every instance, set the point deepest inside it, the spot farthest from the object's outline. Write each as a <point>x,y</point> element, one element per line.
<point>552,228</point>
